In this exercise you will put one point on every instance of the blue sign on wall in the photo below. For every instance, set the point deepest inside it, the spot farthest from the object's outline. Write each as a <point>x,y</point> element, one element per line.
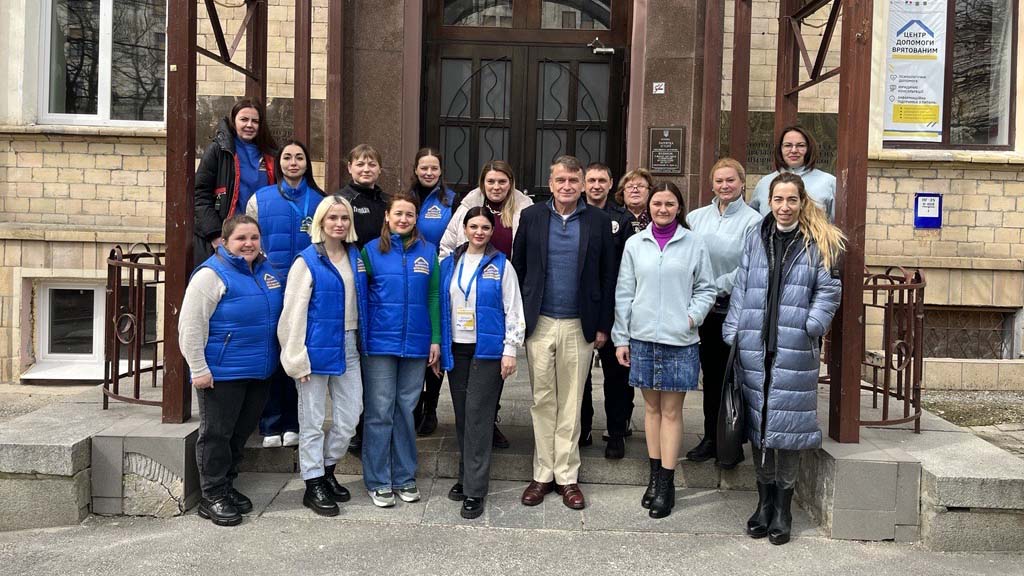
<point>927,210</point>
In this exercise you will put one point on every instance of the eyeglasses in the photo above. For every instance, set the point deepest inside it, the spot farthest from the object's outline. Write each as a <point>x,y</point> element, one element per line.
<point>790,146</point>
<point>636,187</point>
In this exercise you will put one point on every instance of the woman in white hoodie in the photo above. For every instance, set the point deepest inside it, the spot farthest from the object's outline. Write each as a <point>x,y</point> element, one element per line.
<point>665,270</point>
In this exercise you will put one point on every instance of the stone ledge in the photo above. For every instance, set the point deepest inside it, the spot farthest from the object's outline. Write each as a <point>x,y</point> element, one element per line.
<point>954,263</point>
<point>32,501</point>
<point>960,156</point>
<point>74,130</point>
<point>94,234</point>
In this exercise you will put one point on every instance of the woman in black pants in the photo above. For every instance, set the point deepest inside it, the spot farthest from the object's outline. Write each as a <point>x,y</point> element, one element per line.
<point>482,324</point>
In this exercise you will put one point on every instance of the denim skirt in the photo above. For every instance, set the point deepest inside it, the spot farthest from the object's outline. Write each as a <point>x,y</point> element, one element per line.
<point>663,367</point>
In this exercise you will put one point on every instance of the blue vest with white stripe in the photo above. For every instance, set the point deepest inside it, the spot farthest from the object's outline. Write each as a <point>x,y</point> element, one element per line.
<point>399,287</point>
<point>435,215</point>
<point>243,329</point>
<point>325,325</point>
<point>280,222</point>
<point>490,308</point>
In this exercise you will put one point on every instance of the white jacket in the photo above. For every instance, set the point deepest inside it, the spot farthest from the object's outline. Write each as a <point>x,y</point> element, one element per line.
<point>455,235</point>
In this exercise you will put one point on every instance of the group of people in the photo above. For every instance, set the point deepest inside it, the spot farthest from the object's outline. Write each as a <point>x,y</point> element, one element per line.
<point>366,299</point>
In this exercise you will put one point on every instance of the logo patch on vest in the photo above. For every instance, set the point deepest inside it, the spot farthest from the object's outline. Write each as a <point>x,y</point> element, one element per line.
<point>360,267</point>
<point>491,273</point>
<point>360,209</point>
<point>421,266</point>
<point>271,281</point>
<point>433,213</point>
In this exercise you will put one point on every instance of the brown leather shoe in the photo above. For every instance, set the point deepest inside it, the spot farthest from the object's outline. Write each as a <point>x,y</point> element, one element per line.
<point>534,493</point>
<point>572,496</point>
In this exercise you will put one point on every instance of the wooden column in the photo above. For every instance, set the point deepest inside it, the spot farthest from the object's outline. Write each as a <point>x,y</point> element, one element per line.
<point>300,95</point>
<point>787,68</point>
<point>335,107</point>
<point>711,98</point>
<point>256,51</point>
<point>180,199</point>
<point>851,203</point>
<point>739,125</point>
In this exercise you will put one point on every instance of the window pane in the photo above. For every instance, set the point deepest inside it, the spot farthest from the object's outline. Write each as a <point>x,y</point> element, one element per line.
<point>455,86</point>
<point>493,144</point>
<point>74,56</point>
<point>455,147</point>
<point>576,14</point>
<point>592,95</point>
<point>483,13</point>
<point>495,89</point>
<point>138,45</point>
<point>550,145</point>
<point>71,321</point>
<point>980,100</point>
<point>591,146</point>
<point>553,100</point>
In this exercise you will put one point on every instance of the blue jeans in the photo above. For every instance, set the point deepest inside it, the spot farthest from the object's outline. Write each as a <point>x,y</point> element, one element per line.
<point>391,389</point>
<point>281,413</point>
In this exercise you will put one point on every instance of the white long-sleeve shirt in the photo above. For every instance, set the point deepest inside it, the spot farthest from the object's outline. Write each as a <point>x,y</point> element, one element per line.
<point>512,301</point>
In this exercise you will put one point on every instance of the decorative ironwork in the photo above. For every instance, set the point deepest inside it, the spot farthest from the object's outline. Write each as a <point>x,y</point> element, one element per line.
<point>952,332</point>
<point>125,325</point>
<point>474,108</point>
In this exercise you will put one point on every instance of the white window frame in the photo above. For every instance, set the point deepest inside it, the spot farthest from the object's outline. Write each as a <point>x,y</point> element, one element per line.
<point>102,116</point>
<point>43,354</point>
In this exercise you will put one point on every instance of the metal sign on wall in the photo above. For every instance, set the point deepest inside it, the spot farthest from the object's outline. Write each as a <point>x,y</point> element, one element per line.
<point>667,149</point>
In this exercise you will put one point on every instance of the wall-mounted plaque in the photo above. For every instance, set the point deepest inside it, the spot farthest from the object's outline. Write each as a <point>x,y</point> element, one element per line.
<point>667,150</point>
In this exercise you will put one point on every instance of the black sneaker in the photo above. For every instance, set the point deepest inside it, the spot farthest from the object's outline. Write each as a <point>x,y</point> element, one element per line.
<point>472,508</point>
<point>241,501</point>
<point>220,511</point>
<point>456,494</point>
<point>702,452</point>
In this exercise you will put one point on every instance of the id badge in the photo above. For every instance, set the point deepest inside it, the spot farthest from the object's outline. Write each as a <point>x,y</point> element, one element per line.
<point>465,319</point>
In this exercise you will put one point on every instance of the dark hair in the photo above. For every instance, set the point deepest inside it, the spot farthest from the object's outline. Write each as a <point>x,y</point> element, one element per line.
<point>667,186</point>
<point>385,231</point>
<point>599,166</point>
<point>264,140</point>
<point>810,159</point>
<point>279,172</point>
<point>234,222</point>
<point>421,154</point>
<point>478,211</point>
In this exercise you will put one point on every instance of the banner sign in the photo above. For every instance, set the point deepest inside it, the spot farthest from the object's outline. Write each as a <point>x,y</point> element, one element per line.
<point>915,70</point>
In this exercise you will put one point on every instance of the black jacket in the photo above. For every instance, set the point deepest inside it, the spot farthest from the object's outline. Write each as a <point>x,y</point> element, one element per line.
<point>621,227</point>
<point>369,206</point>
<point>216,192</point>
<point>595,273</point>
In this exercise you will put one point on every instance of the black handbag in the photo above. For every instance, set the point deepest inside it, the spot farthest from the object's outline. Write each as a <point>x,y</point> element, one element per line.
<point>732,417</point>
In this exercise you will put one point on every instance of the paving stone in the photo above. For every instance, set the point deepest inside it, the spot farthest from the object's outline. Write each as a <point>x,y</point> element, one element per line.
<point>863,485</point>
<point>863,524</point>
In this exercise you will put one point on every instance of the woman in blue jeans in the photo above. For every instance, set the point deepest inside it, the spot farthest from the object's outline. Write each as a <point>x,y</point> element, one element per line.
<point>402,338</point>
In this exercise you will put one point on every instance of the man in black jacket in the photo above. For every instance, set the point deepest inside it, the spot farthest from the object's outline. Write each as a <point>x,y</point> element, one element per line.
<point>618,394</point>
<point>564,256</point>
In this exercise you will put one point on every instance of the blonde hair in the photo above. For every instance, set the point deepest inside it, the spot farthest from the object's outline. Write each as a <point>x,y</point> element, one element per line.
<point>316,229</point>
<point>620,191</point>
<point>728,163</point>
<point>509,206</point>
<point>814,224</point>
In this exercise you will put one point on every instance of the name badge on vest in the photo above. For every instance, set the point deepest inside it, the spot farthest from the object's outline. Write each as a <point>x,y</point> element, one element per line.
<point>491,273</point>
<point>465,318</point>
<point>307,224</point>
<point>271,282</point>
<point>433,213</point>
<point>421,266</point>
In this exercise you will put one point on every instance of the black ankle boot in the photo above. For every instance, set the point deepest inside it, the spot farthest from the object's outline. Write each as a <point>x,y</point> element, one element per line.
<point>703,451</point>
<point>664,494</point>
<point>757,525</point>
<point>220,511</point>
<point>649,493</point>
<point>782,517</point>
<point>338,492</point>
<point>318,497</point>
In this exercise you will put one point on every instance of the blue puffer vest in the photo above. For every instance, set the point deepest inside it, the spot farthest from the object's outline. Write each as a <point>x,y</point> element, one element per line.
<point>399,285</point>
<point>808,300</point>
<point>490,308</point>
<point>280,222</point>
<point>435,215</point>
<point>325,326</point>
<point>243,329</point>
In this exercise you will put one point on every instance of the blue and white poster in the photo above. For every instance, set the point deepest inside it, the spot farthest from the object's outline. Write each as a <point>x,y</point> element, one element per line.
<point>915,70</point>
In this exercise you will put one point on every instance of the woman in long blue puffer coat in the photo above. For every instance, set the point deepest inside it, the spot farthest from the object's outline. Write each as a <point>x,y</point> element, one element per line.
<point>784,298</point>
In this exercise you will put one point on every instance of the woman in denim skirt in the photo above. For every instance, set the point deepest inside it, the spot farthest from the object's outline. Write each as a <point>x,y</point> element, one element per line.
<point>665,269</point>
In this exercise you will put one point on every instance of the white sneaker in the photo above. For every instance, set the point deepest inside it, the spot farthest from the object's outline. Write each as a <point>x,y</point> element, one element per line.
<point>291,438</point>
<point>382,497</point>
<point>410,494</point>
<point>271,441</point>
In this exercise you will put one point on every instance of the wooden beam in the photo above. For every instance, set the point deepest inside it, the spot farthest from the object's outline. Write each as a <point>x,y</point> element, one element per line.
<point>826,38</point>
<point>787,69</point>
<point>218,30</point>
<point>817,80</point>
<point>851,203</point>
<point>711,97</point>
<point>301,94</point>
<point>739,125</point>
<point>250,9</point>
<point>256,52</point>
<point>180,200</point>
<point>334,107</point>
<point>228,63</point>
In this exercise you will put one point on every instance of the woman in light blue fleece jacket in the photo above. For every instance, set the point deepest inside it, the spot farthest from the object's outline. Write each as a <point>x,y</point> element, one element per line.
<point>797,152</point>
<point>665,269</point>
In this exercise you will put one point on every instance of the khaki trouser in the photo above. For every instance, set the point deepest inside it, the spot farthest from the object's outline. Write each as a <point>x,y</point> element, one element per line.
<point>559,359</point>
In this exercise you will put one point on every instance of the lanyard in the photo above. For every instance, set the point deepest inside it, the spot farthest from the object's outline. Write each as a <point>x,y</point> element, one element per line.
<point>467,290</point>
<point>294,203</point>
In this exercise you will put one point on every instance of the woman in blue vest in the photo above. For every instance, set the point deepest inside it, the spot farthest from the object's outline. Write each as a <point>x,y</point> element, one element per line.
<point>324,304</point>
<point>226,333</point>
<point>285,213</point>
<point>403,335</point>
<point>437,202</point>
<point>482,324</point>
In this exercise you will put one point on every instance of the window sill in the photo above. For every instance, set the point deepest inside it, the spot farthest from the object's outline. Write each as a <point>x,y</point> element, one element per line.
<point>73,130</point>
<point>87,372</point>
<point>95,234</point>
<point>965,156</point>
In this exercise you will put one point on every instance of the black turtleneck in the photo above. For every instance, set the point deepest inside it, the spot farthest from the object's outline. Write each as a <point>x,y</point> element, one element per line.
<point>780,251</point>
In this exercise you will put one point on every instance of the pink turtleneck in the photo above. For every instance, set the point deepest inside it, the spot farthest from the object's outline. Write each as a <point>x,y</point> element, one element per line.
<point>662,234</point>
